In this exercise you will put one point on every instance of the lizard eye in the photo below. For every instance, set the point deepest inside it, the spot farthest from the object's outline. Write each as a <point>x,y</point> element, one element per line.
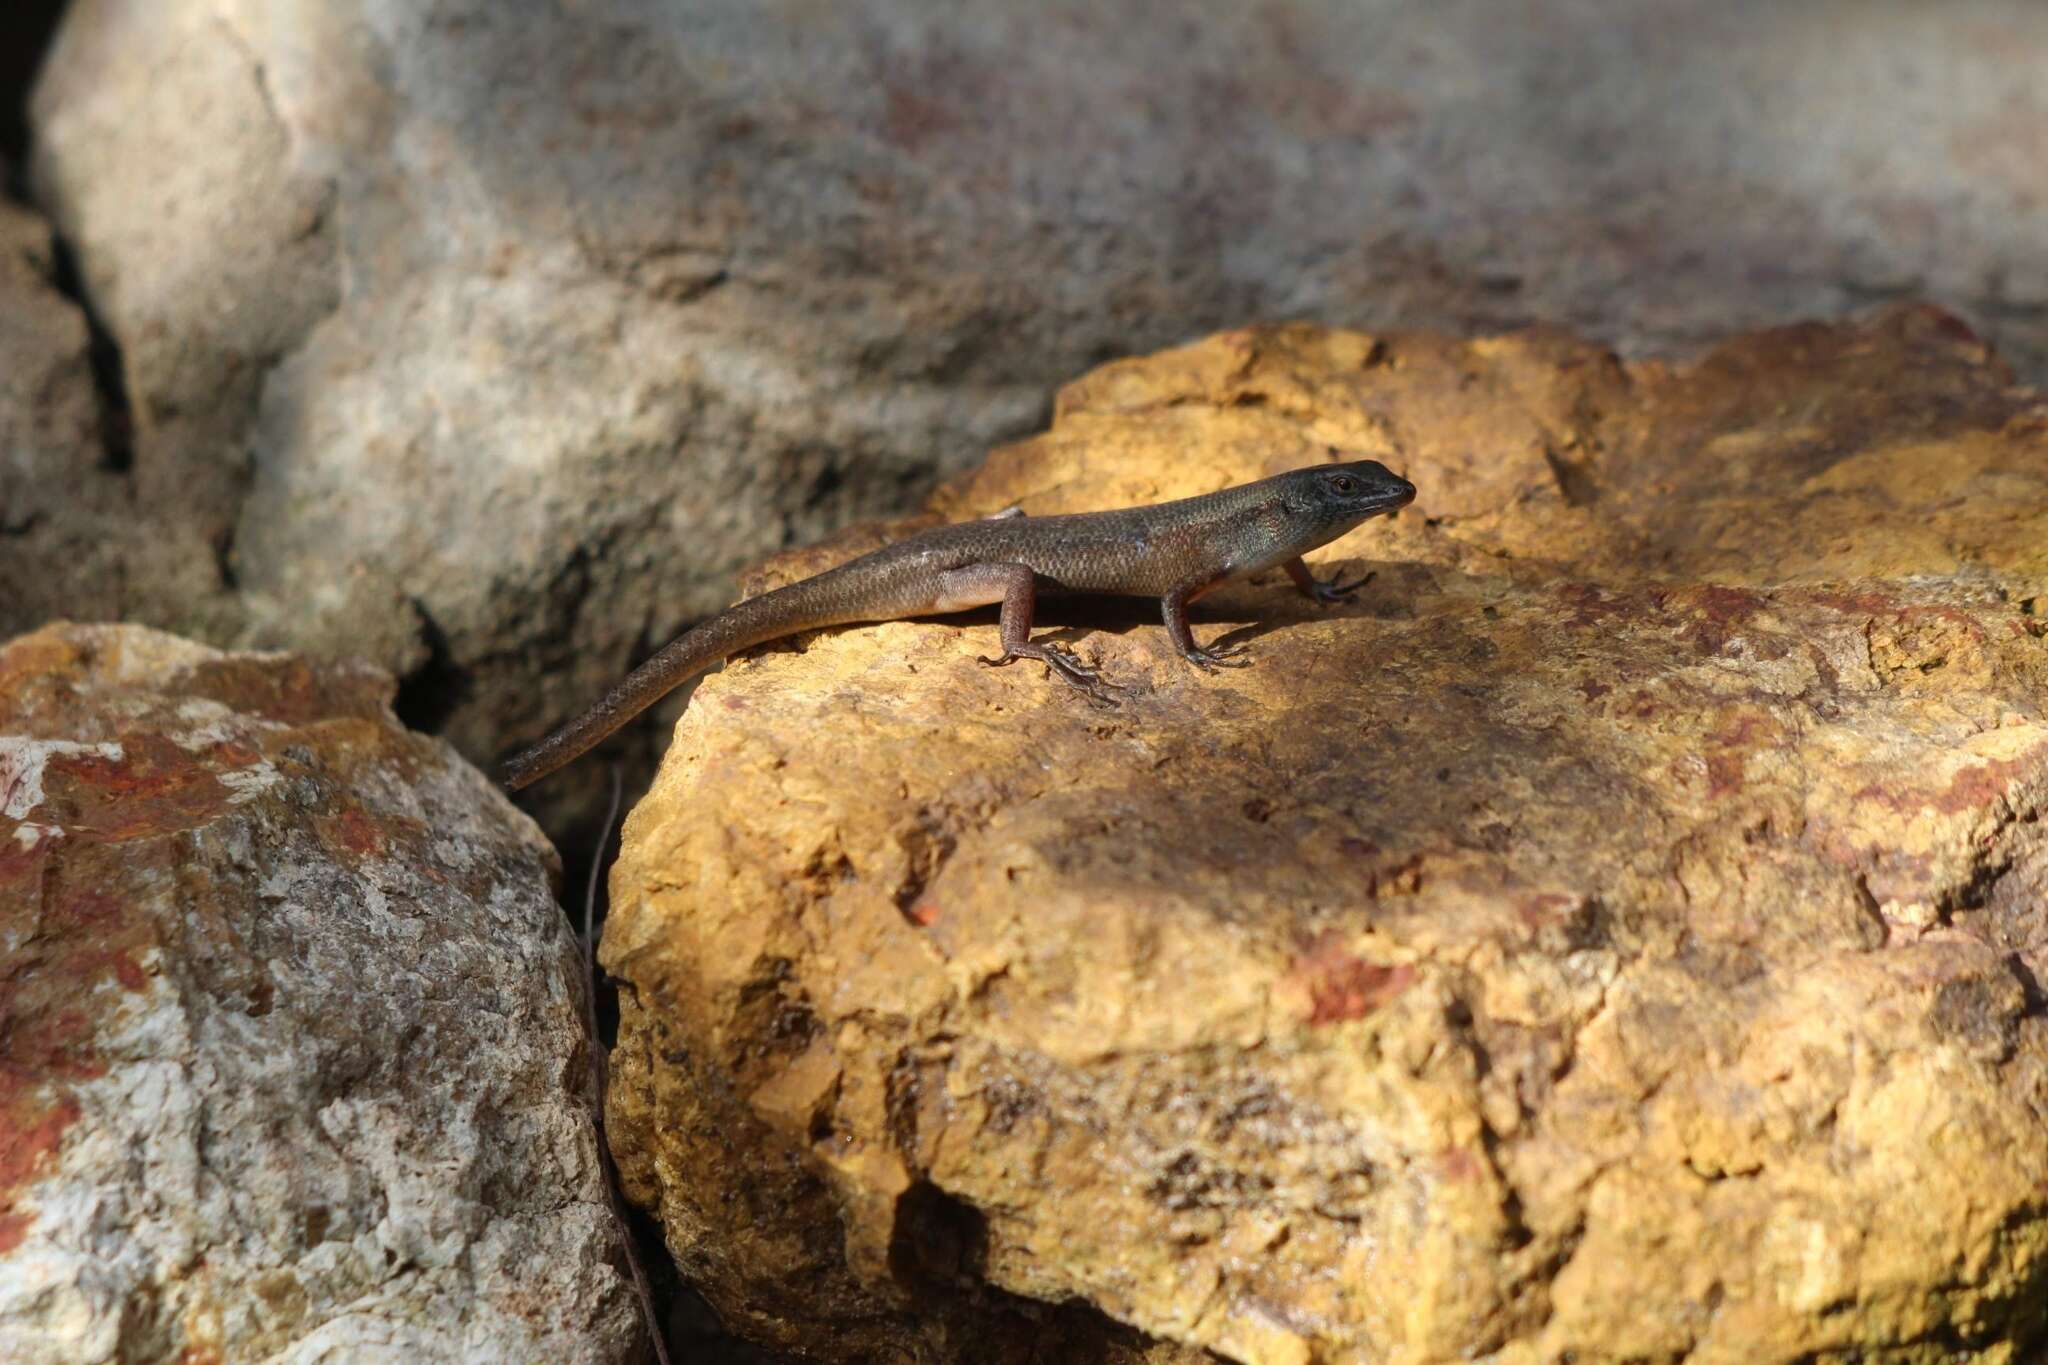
<point>1344,483</point>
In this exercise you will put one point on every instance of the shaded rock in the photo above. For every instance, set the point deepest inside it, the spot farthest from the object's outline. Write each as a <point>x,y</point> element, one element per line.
<point>64,515</point>
<point>290,1053</point>
<point>1617,935</point>
<point>25,29</point>
<point>82,534</point>
<point>495,336</point>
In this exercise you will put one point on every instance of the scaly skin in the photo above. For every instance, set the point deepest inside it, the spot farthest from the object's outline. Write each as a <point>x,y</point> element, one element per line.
<point>1175,551</point>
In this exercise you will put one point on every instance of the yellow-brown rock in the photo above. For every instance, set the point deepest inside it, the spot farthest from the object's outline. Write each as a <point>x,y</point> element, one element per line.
<point>1617,935</point>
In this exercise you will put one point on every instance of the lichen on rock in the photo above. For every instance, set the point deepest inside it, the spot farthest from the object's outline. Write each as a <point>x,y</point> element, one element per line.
<point>1616,935</point>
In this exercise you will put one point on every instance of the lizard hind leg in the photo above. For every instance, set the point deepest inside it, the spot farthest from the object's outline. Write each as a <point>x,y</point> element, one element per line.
<point>1014,586</point>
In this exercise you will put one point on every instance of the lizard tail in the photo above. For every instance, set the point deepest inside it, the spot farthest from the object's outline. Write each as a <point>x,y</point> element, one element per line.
<point>811,603</point>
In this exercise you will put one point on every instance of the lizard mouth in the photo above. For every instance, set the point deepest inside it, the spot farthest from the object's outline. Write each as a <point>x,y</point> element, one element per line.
<point>1393,500</point>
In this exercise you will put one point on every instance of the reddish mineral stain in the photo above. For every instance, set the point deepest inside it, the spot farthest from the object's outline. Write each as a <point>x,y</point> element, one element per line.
<point>1458,1164</point>
<point>1546,908</point>
<point>155,787</point>
<point>86,908</point>
<point>1724,774</point>
<point>89,965</point>
<point>28,1133</point>
<point>358,833</point>
<point>1342,985</point>
<point>26,1141</point>
<point>22,863</point>
<point>1589,606</point>
<point>290,691</point>
<point>1972,788</point>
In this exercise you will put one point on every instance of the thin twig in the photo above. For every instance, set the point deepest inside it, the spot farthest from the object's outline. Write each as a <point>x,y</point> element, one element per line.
<point>600,1066</point>
<point>586,941</point>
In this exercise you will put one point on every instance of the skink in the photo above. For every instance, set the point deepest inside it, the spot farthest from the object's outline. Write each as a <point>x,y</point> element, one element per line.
<point>1175,551</point>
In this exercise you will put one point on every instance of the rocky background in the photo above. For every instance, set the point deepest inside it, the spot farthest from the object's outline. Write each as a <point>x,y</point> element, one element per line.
<point>488,342</point>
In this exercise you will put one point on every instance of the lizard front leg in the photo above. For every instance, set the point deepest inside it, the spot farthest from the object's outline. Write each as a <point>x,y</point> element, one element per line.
<point>1014,586</point>
<point>1174,607</point>
<point>1326,593</point>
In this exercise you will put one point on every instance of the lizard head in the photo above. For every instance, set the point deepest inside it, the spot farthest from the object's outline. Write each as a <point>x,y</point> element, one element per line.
<point>1328,500</point>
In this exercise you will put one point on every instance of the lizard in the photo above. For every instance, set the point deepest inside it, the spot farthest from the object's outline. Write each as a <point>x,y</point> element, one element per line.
<point>1175,551</point>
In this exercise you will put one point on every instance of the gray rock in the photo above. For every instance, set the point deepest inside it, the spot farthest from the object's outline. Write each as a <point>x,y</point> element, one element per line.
<point>291,1057</point>
<point>61,506</point>
<point>497,334</point>
<point>82,534</point>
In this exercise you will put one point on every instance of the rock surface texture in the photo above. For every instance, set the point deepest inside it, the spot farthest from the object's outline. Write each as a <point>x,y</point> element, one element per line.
<point>290,1055</point>
<point>68,529</point>
<point>489,333</point>
<point>1619,934</point>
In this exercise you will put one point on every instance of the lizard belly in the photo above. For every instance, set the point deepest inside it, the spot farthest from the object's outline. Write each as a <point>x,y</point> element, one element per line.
<point>958,596</point>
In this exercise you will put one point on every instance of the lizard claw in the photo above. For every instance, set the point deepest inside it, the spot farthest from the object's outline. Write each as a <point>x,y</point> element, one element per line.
<point>1227,656</point>
<point>1097,692</point>
<point>1069,663</point>
<point>1064,663</point>
<point>1329,594</point>
<point>1087,679</point>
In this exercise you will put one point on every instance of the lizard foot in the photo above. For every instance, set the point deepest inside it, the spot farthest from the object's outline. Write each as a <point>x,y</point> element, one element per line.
<point>1064,662</point>
<point>1089,680</point>
<point>1329,594</point>
<point>1222,656</point>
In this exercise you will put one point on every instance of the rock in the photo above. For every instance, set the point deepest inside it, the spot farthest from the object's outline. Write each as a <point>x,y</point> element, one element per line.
<point>488,339</point>
<point>58,503</point>
<point>77,537</point>
<point>291,1057</point>
<point>1617,935</point>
